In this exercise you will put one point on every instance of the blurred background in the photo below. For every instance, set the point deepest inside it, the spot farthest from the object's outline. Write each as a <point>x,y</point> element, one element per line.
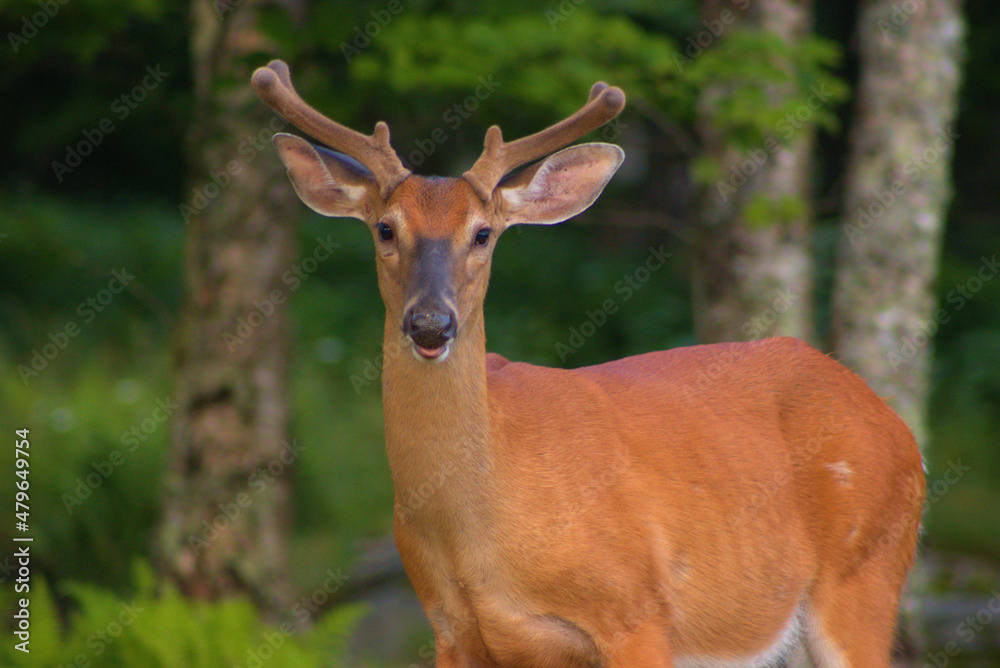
<point>196,355</point>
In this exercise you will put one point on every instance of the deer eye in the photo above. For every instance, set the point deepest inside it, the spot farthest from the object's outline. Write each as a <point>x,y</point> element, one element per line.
<point>483,236</point>
<point>384,232</point>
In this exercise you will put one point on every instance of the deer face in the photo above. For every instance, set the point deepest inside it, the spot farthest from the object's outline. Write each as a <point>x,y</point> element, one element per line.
<point>433,247</point>
<point>434,237</point>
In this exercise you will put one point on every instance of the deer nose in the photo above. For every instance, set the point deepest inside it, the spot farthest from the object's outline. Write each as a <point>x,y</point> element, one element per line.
<point>429,329</point>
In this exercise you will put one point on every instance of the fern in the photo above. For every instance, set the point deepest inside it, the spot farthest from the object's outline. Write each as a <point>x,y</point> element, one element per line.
<point>160,628</point>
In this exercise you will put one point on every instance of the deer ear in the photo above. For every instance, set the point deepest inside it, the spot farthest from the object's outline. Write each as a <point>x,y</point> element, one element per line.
<point>329,183</point>
<point>559,187</point>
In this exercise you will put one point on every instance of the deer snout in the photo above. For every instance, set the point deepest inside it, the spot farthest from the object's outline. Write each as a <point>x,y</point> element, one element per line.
<point>430,330</point>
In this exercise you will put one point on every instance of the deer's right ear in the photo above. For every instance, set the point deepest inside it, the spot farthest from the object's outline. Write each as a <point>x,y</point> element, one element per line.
<point>329,183</point>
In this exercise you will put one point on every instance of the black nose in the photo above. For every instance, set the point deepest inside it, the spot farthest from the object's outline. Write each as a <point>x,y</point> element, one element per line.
<point>430,329</point>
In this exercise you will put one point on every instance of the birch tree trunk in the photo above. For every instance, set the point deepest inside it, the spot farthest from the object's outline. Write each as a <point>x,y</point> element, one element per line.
<point>884,313</point>
<point>227,501</point>
<point>755,280</point>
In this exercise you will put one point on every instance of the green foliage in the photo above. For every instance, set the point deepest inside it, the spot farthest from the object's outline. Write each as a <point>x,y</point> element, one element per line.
<point>763,209</point>
<point>82,404</point>
<point>89,516</point>
<point>759,92</point>
<point>536,66</point>
<point>58,250</point>
<point>760,87</point>
<point>746,84</point>
<point>966,410</point>
<point>64,70</point>
<point>751,87</point>
<point>156,627</point>
<point>82,28</point>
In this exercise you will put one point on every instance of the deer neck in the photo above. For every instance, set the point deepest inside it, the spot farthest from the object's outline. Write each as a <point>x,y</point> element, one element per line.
<point>437,428</point>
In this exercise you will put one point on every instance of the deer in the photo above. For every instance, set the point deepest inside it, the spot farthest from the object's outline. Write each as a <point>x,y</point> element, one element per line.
<point>722,505</point>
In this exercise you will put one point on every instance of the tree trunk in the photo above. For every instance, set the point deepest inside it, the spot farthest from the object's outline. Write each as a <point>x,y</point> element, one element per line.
<point>227,501</point>
<point>753,280</point>
<point>897,193</point>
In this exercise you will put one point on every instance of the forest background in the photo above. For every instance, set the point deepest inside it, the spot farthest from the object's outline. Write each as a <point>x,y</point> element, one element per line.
<point>826,171</point>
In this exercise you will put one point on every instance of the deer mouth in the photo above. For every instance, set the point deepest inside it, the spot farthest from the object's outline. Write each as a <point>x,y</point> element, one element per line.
<point>431,345</point>
<point>431,332</point>
<point>431,354</point>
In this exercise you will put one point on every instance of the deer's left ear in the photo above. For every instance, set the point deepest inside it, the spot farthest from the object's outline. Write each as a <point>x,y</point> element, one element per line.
<point>559,187</point>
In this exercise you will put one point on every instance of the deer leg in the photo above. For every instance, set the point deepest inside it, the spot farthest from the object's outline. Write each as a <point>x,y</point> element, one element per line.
<point>853,621</point>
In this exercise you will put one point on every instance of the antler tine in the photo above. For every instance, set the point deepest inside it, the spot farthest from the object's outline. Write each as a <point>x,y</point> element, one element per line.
<point>498,158</point>
<point>273,85</point>
<point>596,90</point>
